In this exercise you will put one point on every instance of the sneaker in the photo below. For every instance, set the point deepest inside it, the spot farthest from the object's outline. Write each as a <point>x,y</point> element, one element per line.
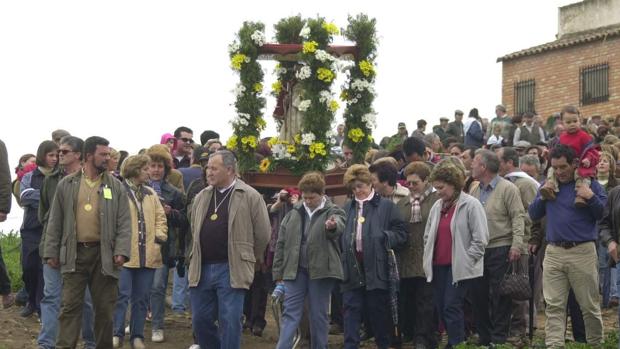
<point>8,300</point>
<point>157,336</point>
<point>27,311</point>
<point>138,343</point>
<point>117,342</point>
<point>127,330</point>
<point>194,346</point>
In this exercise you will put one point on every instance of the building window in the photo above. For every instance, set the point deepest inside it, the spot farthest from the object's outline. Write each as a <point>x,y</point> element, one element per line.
<point>594,84</point>
<point>524,96</point>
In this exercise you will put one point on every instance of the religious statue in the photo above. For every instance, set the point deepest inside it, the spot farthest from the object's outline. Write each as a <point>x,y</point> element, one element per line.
<point>287,110</point>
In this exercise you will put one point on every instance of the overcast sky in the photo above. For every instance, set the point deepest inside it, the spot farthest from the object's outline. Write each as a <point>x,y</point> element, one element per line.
<point>133,70</point>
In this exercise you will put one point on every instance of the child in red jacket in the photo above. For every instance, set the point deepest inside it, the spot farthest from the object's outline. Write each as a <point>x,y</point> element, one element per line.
<point>587,153</point>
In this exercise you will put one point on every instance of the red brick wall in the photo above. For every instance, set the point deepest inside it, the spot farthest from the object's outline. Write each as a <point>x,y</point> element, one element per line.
<point>556,74</point>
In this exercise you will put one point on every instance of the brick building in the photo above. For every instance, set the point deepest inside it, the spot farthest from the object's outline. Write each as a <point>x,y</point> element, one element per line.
<point>581,67</point>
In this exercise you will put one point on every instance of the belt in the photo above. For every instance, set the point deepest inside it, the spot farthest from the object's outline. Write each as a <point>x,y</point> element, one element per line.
<point>88,244</point>
<point>567,244</point>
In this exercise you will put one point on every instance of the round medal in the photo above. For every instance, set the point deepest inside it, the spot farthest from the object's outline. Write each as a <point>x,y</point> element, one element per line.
<point>361,219</point>
<point>88,207</point>
<point>214,216</point>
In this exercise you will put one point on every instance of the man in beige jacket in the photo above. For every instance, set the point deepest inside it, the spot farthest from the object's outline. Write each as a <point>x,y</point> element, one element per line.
<point>230,230</point>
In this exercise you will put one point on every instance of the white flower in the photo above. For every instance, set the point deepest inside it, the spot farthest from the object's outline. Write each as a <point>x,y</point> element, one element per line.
<point>323,56</point>
<point>280,71</point>
<point>258,37</point>
<point>245,115</point>
<point>305,31</point>
<point>238,91</point>
<point>370,119</point>
<point>304,105</point>
<point>243,122</point>
<point>233,47</point>
<point>247,59</point>
<point>325,97</point>
<point>330,133</point>
<point>354,100</point>
<point>303,73</point>
<point>307,138</point>
<point>279,151</point>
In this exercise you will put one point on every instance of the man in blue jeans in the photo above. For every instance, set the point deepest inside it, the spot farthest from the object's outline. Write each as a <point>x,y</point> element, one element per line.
<point>230,229</point>
<point>69,158</point>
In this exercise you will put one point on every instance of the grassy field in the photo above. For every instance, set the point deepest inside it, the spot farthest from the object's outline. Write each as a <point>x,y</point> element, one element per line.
<point>11,253</point>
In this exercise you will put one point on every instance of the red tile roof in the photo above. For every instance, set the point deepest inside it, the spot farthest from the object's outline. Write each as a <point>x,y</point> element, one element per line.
<point>567,41</point>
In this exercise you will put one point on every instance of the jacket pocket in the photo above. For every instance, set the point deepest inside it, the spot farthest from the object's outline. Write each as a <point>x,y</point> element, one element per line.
<point>63,255</point>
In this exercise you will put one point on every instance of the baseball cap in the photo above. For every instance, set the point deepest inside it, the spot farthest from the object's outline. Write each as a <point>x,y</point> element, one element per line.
<point>401,125</point>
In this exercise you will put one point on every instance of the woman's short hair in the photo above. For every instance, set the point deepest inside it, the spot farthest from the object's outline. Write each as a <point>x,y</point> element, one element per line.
<point>354,173</point>
<point>419,169</point>
<point>312,182</point>
<point>114,154</point>
<point>450,174</point>
<point>133,165</point>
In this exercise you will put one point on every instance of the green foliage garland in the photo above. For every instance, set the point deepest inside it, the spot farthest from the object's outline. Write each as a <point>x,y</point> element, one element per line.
<point>359,92</point>
<point>249,104</point>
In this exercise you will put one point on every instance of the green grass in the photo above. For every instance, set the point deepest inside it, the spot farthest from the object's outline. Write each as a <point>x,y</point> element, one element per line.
<point>11,253</point>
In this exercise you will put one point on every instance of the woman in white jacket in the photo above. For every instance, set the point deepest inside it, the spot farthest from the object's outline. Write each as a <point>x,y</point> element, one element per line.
<point>455,237</point>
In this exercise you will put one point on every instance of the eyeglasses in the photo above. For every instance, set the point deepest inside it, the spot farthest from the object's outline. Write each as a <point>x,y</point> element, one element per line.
<point>65,151</point>
<point>186,140</point>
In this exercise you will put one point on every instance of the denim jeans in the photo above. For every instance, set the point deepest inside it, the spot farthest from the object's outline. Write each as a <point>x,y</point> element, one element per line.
<point>134,285</point>
<point>604,272</point>
<point>376,304</point>
<point>180,292</point>
<point>213,300</point>
<point>449,299</point>
<point>158,297</point>
<point>50,308</point>
<point>317,293</point>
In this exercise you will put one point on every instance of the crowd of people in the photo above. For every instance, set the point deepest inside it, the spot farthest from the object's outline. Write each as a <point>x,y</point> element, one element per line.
<point>421,247</point>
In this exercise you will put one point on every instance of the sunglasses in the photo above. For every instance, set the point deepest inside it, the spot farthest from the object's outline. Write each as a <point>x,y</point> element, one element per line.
<point>65,151</point>
<point>186,140</point>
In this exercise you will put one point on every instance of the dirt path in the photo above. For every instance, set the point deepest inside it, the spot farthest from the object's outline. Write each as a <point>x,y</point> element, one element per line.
<point>20,333</point>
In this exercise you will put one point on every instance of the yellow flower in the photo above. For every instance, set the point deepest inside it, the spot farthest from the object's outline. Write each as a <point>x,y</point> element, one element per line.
<point>272,141</point>
<point>310,46</point>
<point>297,138</point>
<point>333,106</point>
<point>232,143</point>
<point>325,74</point>
<point>252,141</point>
<point>356,134</point>
<point>261,123</point>
<point>264,165</point>
<point>276,86</point>
<point>367,68</point>
<point>290,149</point>
<point>344,95</point>
<point>331,28</point>
<point>258,87</point>
<point>317,148</point>
<point>237,60</point>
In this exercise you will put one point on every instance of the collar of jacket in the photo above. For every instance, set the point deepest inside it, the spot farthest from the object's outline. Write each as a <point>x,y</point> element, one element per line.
<point>143,189</point>
<point>299,206</point>
<point>374,201</point>
<point>106,179</point>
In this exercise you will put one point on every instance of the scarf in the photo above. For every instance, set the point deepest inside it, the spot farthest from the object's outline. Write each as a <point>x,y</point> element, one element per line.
<point>416,200</point>
<point>447,205</point>
<point>360,220</point>
<point>136,189</point>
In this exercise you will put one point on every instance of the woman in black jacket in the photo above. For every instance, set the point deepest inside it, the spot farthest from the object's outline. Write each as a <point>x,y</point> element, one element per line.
<point>373,226</point>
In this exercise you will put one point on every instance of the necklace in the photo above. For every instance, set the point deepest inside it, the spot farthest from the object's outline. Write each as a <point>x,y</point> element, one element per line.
<point>214,215</point>
<point>92,185</point>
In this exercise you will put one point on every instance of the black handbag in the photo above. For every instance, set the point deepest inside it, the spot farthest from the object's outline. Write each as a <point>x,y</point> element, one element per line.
<point>516,283</point>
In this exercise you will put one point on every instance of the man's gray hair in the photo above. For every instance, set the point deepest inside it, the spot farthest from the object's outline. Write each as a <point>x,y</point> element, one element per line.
<point>531,160</point>
<point>75,143</point>
<point>489,159</point>
<point>228,158</point>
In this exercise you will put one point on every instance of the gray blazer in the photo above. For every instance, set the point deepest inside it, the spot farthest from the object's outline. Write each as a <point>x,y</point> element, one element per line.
<point>470,236</point>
